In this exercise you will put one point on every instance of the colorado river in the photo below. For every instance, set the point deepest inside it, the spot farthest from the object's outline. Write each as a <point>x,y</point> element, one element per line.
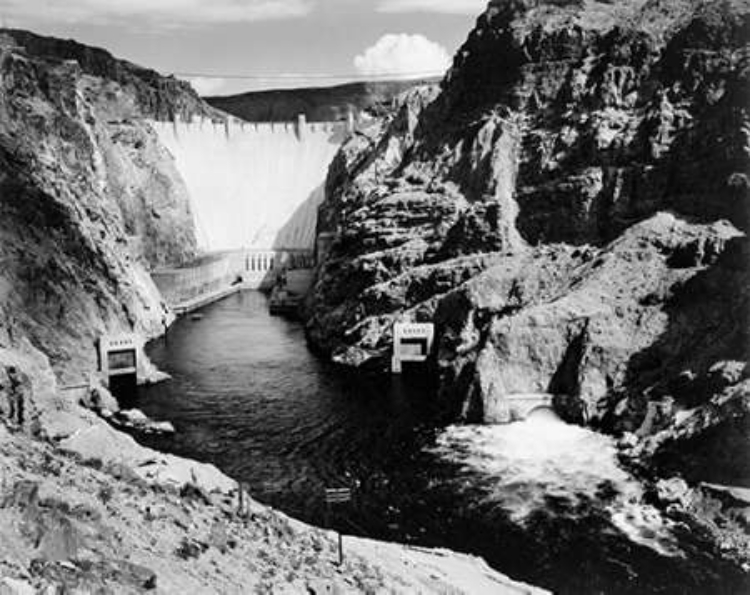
<point>541,501</point>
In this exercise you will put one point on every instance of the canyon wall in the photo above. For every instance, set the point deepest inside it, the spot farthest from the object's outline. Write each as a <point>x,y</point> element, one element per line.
<point>569,209</point>
<point>89,202</point>
<point>253,185</point>
<point>108,171</point>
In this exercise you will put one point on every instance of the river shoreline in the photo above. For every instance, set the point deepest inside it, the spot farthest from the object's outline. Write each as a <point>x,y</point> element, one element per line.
<point>103,525</point>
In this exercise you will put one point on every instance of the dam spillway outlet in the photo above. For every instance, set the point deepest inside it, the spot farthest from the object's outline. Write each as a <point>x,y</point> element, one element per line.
<point>253,185</point>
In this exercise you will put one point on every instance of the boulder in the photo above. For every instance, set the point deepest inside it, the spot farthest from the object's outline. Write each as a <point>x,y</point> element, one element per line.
<point>60,539</point>
<point>135,419</point>
<point>673,491</point>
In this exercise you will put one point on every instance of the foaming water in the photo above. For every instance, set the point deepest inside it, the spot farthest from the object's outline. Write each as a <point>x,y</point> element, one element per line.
<point>543,465</point>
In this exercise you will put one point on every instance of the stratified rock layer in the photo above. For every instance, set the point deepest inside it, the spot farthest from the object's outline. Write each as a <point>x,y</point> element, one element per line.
<point>570,209</point>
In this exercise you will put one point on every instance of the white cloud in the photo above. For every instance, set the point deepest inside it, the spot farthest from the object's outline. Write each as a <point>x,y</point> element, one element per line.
<point>156,13</point>
<point>445,6</point>
<point>403,56</point>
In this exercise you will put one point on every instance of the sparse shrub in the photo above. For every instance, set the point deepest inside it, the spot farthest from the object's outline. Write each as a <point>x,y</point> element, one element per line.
<point>94,463</point>
<point>50,465</point>
<point>190,548</point>
<point>193,492</point>
<point>105,494</point>
<point>123,472</point>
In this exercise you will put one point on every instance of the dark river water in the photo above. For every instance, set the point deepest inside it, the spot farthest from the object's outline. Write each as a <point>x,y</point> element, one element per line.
<point>541,501</point>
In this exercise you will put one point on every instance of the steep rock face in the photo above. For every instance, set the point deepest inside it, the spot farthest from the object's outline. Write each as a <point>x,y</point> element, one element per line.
<point>570,210</point>
<point>156,96</point>
<point>621,320</point>
<point>88,201</point>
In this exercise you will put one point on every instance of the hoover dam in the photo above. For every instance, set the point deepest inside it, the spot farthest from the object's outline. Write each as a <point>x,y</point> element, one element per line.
<point>254,189</point>
<point>253,185</point>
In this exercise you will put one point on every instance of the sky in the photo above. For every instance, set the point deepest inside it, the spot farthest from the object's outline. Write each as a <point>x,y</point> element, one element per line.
<point>279,43</point>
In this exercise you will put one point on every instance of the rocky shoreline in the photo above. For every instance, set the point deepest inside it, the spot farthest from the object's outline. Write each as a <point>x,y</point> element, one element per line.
<point>98,511</point>
<point>84,507</point>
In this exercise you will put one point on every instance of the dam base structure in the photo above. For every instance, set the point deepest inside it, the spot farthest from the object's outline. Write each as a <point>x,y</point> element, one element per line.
<point>215,276</point>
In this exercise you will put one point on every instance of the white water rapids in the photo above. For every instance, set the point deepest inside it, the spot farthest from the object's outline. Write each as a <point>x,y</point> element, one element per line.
<point>527,467</point>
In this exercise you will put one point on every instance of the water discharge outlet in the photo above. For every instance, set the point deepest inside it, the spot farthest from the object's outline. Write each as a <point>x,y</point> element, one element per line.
<point>118,356</point>
<point>412,342</point>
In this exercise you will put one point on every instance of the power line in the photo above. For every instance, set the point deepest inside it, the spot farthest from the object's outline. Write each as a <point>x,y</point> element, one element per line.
<point>313,76</point>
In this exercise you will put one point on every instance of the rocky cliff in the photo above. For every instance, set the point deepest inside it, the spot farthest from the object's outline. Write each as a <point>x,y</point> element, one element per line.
<point>569,209</point>
<point>89,201</point>
<point>155,95</point>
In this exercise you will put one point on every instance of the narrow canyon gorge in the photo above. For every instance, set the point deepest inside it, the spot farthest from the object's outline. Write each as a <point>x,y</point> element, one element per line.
<point>567,210</point>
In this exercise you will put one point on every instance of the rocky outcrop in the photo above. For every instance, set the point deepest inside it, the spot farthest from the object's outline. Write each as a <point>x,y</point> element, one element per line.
<point>616,322</point>
<point>89,200</point>
<point>85,521</point>
<point>570,210</point>
<point>154,95</point>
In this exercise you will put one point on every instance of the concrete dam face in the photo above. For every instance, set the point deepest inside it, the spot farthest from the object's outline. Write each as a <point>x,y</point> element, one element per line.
<point>253,186</point>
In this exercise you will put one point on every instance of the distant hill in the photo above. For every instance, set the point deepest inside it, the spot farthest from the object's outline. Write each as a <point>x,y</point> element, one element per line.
<point>319,104</point>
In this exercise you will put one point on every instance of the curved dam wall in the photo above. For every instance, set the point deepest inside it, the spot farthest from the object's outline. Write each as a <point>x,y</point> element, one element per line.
<point>254,186</point>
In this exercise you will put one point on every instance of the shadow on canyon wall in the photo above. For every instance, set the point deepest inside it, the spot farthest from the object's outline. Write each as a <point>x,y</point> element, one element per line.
<point>708,322</point>
<point>297,233</point>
